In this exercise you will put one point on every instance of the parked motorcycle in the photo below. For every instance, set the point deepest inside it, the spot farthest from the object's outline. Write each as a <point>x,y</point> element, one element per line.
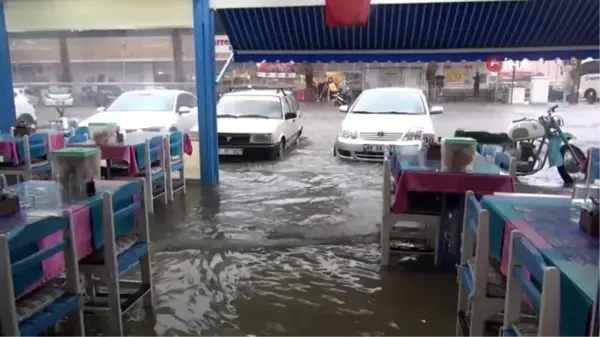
<point>533,142</point>
<point>343,97</point>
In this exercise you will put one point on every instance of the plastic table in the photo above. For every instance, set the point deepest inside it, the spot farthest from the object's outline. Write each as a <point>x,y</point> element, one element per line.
<point>414,173</point>
<point>552,225</point>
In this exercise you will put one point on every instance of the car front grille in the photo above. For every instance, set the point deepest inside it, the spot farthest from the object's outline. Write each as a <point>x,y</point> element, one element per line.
<point>233,139</point>
<point>386,136</point>
<point>372,156</point>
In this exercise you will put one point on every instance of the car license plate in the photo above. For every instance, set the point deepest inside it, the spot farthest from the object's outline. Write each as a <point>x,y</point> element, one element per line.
<point>231,152</point>
<point>378,148</point>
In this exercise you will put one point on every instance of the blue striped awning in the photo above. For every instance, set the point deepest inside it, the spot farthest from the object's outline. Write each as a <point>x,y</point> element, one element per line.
<point>426,32</point>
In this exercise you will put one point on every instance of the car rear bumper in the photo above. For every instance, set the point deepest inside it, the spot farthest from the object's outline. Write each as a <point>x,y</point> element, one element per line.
<point>355,149</point>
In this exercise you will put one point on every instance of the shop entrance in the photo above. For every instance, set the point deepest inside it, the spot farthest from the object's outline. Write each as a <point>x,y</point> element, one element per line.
<point>394,77</point>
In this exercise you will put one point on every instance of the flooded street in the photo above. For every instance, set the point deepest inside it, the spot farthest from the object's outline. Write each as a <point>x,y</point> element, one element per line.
<point>289,247</point>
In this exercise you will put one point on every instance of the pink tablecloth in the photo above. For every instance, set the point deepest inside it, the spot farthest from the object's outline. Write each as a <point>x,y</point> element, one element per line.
<point>8,149</point>
<point>124,153</point>
<point>447,182</point>
<point>54,266</point>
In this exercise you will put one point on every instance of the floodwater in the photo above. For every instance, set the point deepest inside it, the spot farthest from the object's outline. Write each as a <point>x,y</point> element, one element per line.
<point>289,247</point>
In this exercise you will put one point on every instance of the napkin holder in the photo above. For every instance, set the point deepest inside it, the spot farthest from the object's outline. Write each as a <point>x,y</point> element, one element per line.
<point>9,204</point>
<point>22,129</point>
<point>433,150</point>
<point>589,219</point>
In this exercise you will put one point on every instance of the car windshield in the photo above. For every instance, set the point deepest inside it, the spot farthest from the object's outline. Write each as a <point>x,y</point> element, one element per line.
<point>59,90</point>
<point>249,107</point>
<point>142,101</point>
<point>389,102</point>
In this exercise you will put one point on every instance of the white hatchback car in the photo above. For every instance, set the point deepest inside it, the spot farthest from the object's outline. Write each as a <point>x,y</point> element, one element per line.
<point>256,122</point>
<point>149,110</point>
<point>381,119</point>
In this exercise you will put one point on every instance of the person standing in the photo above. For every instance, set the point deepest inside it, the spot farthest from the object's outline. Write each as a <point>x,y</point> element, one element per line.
<point>476,82</point>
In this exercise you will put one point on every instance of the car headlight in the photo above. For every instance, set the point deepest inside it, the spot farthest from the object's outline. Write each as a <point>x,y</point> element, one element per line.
<point>412,135</point>
<point>559,120</point>
<point>346,133</point>
<point>260,138</point>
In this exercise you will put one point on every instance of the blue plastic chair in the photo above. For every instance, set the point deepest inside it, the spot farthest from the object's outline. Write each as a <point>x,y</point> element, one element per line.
<point>595,317</point>
<point>83,130</point>
<point>45,306</point>
<point>502,160</point>
<point>593,169</point>
<point>175,156</point>
<point>152,165</point>
<point>489,150</point>
<point>33,157</point>
<point>78,138</point>
<point>527,274</point>
<point>122,252</point>
<point>481,288</point>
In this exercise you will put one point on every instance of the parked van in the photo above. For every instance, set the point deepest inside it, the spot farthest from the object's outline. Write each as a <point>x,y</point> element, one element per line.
<point>589,87</point>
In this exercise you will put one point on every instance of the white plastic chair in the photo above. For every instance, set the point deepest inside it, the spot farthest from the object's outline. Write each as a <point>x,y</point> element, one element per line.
<point>481,287</point>
<point>525,265</point>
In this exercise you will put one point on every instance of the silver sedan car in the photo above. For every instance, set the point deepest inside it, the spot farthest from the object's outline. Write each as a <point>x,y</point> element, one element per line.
<point>382,119</point>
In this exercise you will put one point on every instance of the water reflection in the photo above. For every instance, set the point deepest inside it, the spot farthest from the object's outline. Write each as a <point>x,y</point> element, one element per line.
<point>289,248</point>
<point>334,289</point>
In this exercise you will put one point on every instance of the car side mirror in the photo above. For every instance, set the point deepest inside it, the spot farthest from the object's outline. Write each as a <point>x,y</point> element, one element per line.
<point>100,109</point>
<point>291,115</point>
<point>436,110</point>
<point>343,108</point>
<point>184,110</point>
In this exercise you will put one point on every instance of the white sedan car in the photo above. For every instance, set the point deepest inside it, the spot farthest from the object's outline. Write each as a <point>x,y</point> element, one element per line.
<point>257,122</point>
<point>59,96</point>
<point>149,110</point>
<point>381,119</point>
<point>25,111</point>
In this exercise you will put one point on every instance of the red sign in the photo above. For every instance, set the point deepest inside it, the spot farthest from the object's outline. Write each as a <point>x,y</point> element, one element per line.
<point>344,13</point>
<point>493,64</point>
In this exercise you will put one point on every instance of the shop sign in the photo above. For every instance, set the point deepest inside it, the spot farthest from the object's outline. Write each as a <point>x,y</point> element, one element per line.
<point>455,75</point>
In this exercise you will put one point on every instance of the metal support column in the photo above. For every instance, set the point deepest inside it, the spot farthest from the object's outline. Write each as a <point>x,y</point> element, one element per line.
<point>8,115</point>
<point>204,45</point>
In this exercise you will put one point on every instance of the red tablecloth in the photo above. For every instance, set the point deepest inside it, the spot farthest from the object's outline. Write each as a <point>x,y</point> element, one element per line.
<point>447,182</point>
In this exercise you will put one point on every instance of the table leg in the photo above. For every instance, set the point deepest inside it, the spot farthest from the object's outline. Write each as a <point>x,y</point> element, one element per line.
<point>440,236</point>
<point>448,236</point>
<point>108,169</point>
<point>456,231</point>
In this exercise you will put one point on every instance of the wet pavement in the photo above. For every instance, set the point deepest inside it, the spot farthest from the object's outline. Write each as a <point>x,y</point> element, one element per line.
<point>288,247</point>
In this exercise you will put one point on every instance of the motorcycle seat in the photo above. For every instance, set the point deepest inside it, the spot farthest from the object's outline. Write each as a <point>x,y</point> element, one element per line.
<point>484,137</point>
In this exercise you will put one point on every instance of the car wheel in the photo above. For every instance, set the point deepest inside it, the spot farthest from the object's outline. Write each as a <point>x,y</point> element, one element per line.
<point>591,96</point>
<point>27,119</point>
<point>278,152</point>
